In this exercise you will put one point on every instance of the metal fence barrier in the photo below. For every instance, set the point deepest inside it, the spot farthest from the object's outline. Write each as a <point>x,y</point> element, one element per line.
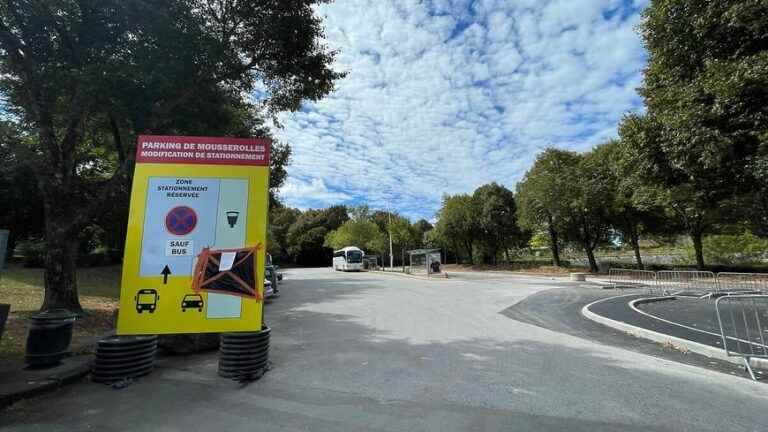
<point>703,284</point>
<point>743,321</point>
<point>629,278</point>
<point>686,282</point>
<point>744,283</point>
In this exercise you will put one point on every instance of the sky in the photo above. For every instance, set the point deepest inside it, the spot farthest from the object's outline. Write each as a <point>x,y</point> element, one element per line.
<point>443,96</point>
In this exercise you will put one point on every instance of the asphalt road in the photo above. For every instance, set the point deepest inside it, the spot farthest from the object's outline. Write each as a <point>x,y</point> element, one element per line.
<point>559,310</point>
<point>361,351</point>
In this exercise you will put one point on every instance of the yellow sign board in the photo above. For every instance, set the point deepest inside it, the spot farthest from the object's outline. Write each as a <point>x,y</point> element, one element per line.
<point>193,197</point>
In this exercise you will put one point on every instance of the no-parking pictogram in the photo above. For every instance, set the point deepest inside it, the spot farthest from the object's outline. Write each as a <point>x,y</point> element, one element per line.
<point>181,220</point>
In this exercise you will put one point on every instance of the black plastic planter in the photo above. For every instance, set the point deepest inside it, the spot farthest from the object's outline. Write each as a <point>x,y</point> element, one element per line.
<point>50,334</point>
<point>4,311</point>
<point>244,356</point>
<point>124,357</point>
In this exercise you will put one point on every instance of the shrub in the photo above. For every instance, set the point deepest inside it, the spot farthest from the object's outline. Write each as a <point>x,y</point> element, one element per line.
<point>729,250</point>
<point>31,252</point>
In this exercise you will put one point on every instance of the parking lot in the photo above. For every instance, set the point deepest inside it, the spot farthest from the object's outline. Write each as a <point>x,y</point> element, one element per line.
<point>369,351</point>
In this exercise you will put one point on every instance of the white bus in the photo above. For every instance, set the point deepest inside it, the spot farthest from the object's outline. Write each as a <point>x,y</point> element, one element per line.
<point>347,259</point>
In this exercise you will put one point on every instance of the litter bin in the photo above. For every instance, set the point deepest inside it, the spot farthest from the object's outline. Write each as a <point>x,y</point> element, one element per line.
<point>5,309</point>
<point>4,234</point>
<point>50,334</point>
<point>435,266</point>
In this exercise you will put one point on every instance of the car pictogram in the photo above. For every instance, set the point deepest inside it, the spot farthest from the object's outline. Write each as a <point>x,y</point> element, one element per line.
<point>192,301</point>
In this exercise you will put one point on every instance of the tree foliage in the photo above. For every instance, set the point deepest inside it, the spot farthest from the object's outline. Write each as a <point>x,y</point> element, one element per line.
<point>735,249</point>
<point>423,226</point>
<point>405,236</point>
<point>22,212</point>
<point>590,206</point>
<point>457,223</point>
<point>85,78</point>
<point>306,236</point>
<point>629,221</point>
<point>496,214</point>
<point>280,220</point>
<point>570,196</point>
<point>542,192</point>
<point>704,137</point>
<point>362,233</point>
<point>479,226</point>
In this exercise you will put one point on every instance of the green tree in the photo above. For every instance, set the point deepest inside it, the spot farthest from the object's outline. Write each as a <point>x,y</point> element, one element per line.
<point>590,202</point>
<point>362,233</point>
<point>423,226</point>
<point>436,238</point>
<point>279,159</point>
<point>85,78</point>
<point>404,235</point>
<point>542,195</point>
<point>686,196</point>
<point>457,223</point>
<point>280,220</point>
<point>22,212</point>
<point>497,220</point>
<point>627,219</point>
<point>360,212</point>
<point>705,134</point>
<point>306,236</point>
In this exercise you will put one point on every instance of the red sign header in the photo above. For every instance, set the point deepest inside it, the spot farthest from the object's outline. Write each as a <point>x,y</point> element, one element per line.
<point>202,150</point>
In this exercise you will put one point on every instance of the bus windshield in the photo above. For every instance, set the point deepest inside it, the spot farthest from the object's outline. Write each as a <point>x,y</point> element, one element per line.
<point>146,298</point>
<point>354,257</point>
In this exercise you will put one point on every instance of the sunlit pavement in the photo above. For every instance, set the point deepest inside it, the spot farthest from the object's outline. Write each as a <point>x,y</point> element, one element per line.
<point>362,351</point>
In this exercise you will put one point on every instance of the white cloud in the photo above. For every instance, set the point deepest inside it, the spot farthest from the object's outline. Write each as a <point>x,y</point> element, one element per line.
<point>445,95</point>
<point>312,193</point>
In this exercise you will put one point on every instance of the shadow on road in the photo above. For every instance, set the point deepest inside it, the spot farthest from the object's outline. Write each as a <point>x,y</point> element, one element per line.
<point>332,373</point>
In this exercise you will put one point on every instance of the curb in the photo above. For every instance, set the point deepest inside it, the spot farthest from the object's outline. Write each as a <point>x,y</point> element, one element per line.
<point>48,384</point>
<point>435,278</point>
<point>512,274</point>
<point>654,336</point>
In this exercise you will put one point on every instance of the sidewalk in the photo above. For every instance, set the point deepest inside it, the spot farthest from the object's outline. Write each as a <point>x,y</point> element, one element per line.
<point>16,383</point>
<point>422,276</point>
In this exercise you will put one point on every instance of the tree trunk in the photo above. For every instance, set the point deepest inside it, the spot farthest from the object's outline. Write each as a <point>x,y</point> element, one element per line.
<point>457,252</point>
<point>506,253</point>
<point>468,245</point>
<point>634,240</point>
<point>591,257</point>
<point>554,246</point>
<point>60,270</point>
<point>699,249</point>
<point>61,242</point>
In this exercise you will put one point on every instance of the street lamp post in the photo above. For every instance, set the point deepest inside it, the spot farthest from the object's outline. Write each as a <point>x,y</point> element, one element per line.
<point>389,231</point>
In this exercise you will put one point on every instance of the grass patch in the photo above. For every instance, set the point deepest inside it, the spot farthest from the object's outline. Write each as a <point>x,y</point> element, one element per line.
<point>22,288</point>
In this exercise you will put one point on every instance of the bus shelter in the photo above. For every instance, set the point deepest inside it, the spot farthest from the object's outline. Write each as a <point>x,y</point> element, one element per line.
<point>371,262</point>
<point>424,261</point>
